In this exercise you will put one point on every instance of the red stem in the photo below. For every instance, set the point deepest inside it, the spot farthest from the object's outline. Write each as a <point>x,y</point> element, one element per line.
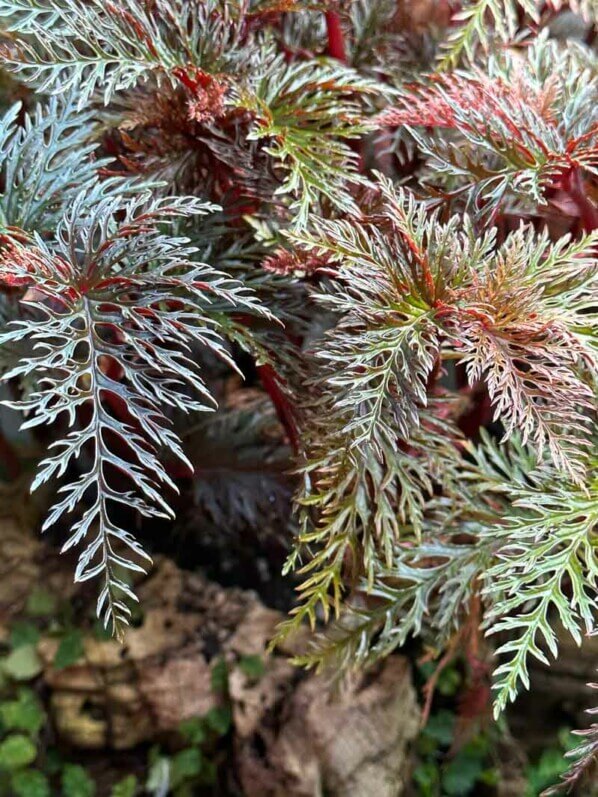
<point>588,213</point>
<point>336,39</point>
<point>336,49</point>
<point>283,409</point>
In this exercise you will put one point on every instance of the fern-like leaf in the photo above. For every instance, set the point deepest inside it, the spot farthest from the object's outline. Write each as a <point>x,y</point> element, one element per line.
<point>117,308</point>
<point>410,292</point>
<point>88,44</point>
<point>427,587</point>
<point>476,22</point>
<point>547,568</point>
<point>584,759</point>
<point>522,125</point>
<point>306,111</point>
<point>45,162</point>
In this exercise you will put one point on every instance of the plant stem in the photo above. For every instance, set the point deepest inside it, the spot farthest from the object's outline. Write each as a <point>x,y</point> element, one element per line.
<point>588,213</point>
<point>336,39</point>
<point>281,404</point>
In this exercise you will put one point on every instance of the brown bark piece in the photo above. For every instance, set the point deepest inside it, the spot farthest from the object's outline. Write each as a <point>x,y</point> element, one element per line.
<point>354,745</point>
<point>291,737</point>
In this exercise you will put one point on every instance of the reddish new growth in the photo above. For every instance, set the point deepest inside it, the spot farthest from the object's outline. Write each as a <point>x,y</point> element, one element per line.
<point>205,101</point>
<point>449,100</point>
<point>295,263</point>
<point>168,129</point>
<point>167,120</point>
<point>13,281</point>
<point>16,263</point>
<point>522,121</point>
